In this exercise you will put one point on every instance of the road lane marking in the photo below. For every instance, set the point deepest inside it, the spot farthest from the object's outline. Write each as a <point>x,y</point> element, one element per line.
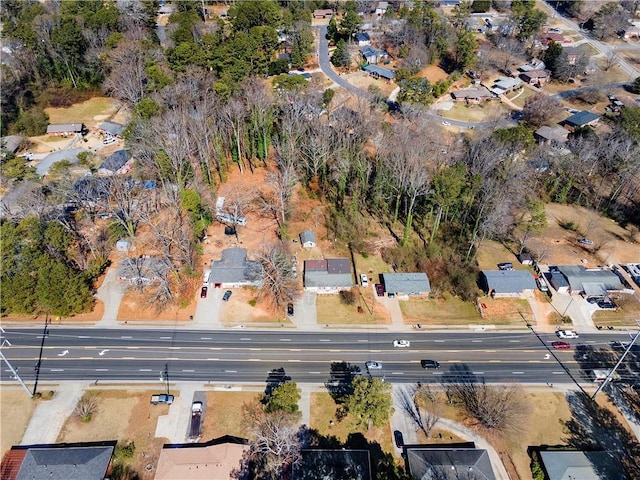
<point>102,369</point>
<point>514,341</point>
<point>255,349</point>
<point>324,340</point>
<point>518,373</point>
<point>439,341</point>
<point>397,373</point>
<point>126,336</point>
<point>335,351</point>
<point>165,338</point>
<point>246,339</point>
<point>206,338</point>
<point>213,359</point>
<point>285,339</point>
<point>363,341</point>
<point>438,373</point>
<point>57,370</point>
<point>63,353</point>
<point>85,358</point>
<point>476,341</point>
<point>478,373</point>
<point>144,370</point>
<point>557,373</point>
<point>103,352</point>
<point>314,373</point>
<point>188,371</point>
<point>295,349</point>
<point>128,358</point>
<point>255,359</point>
<point>84,336</point>
<point>293,361</point>
<point>495,361</point>
<point>230,371</point>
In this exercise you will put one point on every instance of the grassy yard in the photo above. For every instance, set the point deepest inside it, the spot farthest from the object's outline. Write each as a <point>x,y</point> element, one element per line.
<point>505,311</point>
<point>491,253</point>
<point>521,96</point>
<point>373,265</point>
<point>15,412</point>
<point>332,310</point>
<point>224,413</point>
<point>85,112</point>
<point>323,420</point>
<point>626,314</point>
<point>475,113</point>
<point>428,311</point>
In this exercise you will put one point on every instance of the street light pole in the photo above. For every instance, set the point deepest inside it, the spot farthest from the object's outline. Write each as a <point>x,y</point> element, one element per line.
<point>45,334</point>
<point>613,370</point>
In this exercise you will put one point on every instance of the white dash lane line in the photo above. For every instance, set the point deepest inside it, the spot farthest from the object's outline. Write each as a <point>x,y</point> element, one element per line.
<point>363,341</point>
<point>230,371</point>
<point>84,336</point>
<point>557,373</point>
<point>165,338</point>
<point>514,341</point>
<point>439,341</point>
<point>144,370</point>
<point>478,373</point>
<point>324,340</point>
<point>57,370</point>
<point>314,373</point>
<point>126,336</point>
<point>205,338</point>
<point>517,373</point>
<point>285,339</point>
<point>102,369</point>
<point>397,373</point>
<point>476,341</point>
<point>188,371</point>
<point>246,339</point>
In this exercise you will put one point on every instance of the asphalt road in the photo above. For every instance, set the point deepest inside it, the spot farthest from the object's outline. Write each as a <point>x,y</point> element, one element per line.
<point>248,356</point>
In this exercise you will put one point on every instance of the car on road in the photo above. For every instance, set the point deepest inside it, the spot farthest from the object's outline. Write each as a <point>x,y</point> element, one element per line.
<point>379,290</point>
<point>364,280</point>
<point>560,345</point>
<point>398,438</point>
<point>585,241</point>
<point>203,292</point>
<point>371,365</point>
<point>290,309</point>
<point>227,295</point>
<point>429,364</point>
<point>566,334</point>
<point>401,343</point>
<point>446,124</point>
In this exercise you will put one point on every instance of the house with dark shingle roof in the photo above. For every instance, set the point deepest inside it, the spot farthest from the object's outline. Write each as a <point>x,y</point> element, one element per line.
<point>372,54</point>
<point>477,94</point>
<point>507,283</point>
<point>307,239</point>
<point>64,461</point>
<point>324,464</point>
<point>234,270</point>
<point>119,162</point>
<point>379,72</point>
<point>448,462</point>
<point>549,135</point>
<point>328,276</point>
<point>594,282</point>
<point>585,118</point>
<point>582,465</point>
<point>406,284</point>
<point>113,129</point>
<point>362,39</point>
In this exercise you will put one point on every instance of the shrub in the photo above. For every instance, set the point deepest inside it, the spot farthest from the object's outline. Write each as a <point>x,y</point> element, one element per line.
<point>348,297</point>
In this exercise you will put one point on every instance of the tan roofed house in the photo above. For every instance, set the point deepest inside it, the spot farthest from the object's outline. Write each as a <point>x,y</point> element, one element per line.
<point>63,129</point>
<point>219,459</point>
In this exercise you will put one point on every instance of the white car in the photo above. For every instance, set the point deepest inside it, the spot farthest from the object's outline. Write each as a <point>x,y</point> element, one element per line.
<point>401,343</point>
<point>109,140</point>
<point>446,124</point>
<point>566,334</point>
<point>371,365</point>
<point>364,280</point>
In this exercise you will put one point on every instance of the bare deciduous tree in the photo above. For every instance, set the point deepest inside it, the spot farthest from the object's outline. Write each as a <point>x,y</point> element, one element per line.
<point>539,109</point>
<point>127,77</point>
<point>278,279</point>
<point>419,402</point>
<point>86,407</point>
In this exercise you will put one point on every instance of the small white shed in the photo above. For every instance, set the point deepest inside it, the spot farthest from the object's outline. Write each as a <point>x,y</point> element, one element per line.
<point>308,239</point>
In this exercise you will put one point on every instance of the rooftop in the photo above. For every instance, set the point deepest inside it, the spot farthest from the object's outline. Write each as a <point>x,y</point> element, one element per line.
<point>406,283</point>
<point>509,281</point>
<point>582,118</point>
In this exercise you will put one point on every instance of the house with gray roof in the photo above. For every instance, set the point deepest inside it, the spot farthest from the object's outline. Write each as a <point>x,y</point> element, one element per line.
<point>143,270</point>
<point>323,464</point>
<point>583,465</point>
<point>119,162</point>
<point>362,39</point>
<point>448,462</point>
<point>74,461</point>
<point>585,118</point>
<point>558,281</point>
<point>550,135</point>
<point>65,129</point>
<point>592,282</point>
<point>113,129</point>
<point>379,72</point>
<point>406,284</point>
<point>308,239</point>
<point>507,283</point>
<point>70,155</point>
<point>477,94</point>
<point>234,270</point>
<point>328,276</point>
<point>11,143</point>
<point>505,84</point>
<point>372,55</point>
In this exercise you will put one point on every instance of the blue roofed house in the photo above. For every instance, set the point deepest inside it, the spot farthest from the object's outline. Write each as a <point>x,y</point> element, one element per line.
<point>373,55</point>
<point>585,118</point>
<point>507,283</point>
<point>328,276</point>
<point>118,163</point>
<point>406,284</point>
<point>362,39</point>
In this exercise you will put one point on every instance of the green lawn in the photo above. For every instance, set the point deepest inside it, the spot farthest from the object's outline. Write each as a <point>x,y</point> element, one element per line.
<point>332,310</point>
<point>475,113</point>
<point>428,311</point>
<point>522,97</point>
<point>225,416</point>
<point>491,253</point>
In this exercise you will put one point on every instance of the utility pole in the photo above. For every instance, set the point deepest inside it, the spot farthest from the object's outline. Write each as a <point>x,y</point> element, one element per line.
<point>613,370</point>
<point>45,334</point>
<point>164,376</point>
<point>13,370</point>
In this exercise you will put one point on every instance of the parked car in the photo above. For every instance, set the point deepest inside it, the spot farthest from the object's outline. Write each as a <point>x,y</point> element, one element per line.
<point>398,438</point>
<point>560,345</point>
<point>379,290</point>
<point>203,292</point>
<point>606,304</point>
<point>429,364</point>
<point>566,334</point>
<point>371,365</point>
<point>227,295</point>
<point>401,343</point>
<point>446,124</point>
<point>290,309</point>
<point>585,241</point>
<point>542,284</point>
<point>505,266</point>
<point>364,280</point>
<point>109,140</point>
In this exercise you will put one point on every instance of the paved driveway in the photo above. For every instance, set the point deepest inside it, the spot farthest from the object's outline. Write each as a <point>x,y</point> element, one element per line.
<point>305,313</point>
<point>208,309</point>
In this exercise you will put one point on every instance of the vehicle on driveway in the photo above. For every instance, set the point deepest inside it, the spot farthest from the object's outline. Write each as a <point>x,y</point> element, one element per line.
<point>401,343</point>
<point>398,438</point>
<point>290,309</point>
<point>371,365</point>
<point>227,295</point>
<point>364,280</point>
<point>505,266</point>
<point>161,398</point>
<point>560,345</point>
<point>429,364</point>
<point>566,334</point>
<point>585,241</point>
<point>379,290</point>
<point>203,292</point>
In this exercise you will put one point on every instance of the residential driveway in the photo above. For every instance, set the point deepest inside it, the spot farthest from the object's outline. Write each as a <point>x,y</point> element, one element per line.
<point>305,314</point>
<point>110,293</point>
<point>175,425</point>
<point>393,307</point>
<point>208,309</point>
<point>577,308</point>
